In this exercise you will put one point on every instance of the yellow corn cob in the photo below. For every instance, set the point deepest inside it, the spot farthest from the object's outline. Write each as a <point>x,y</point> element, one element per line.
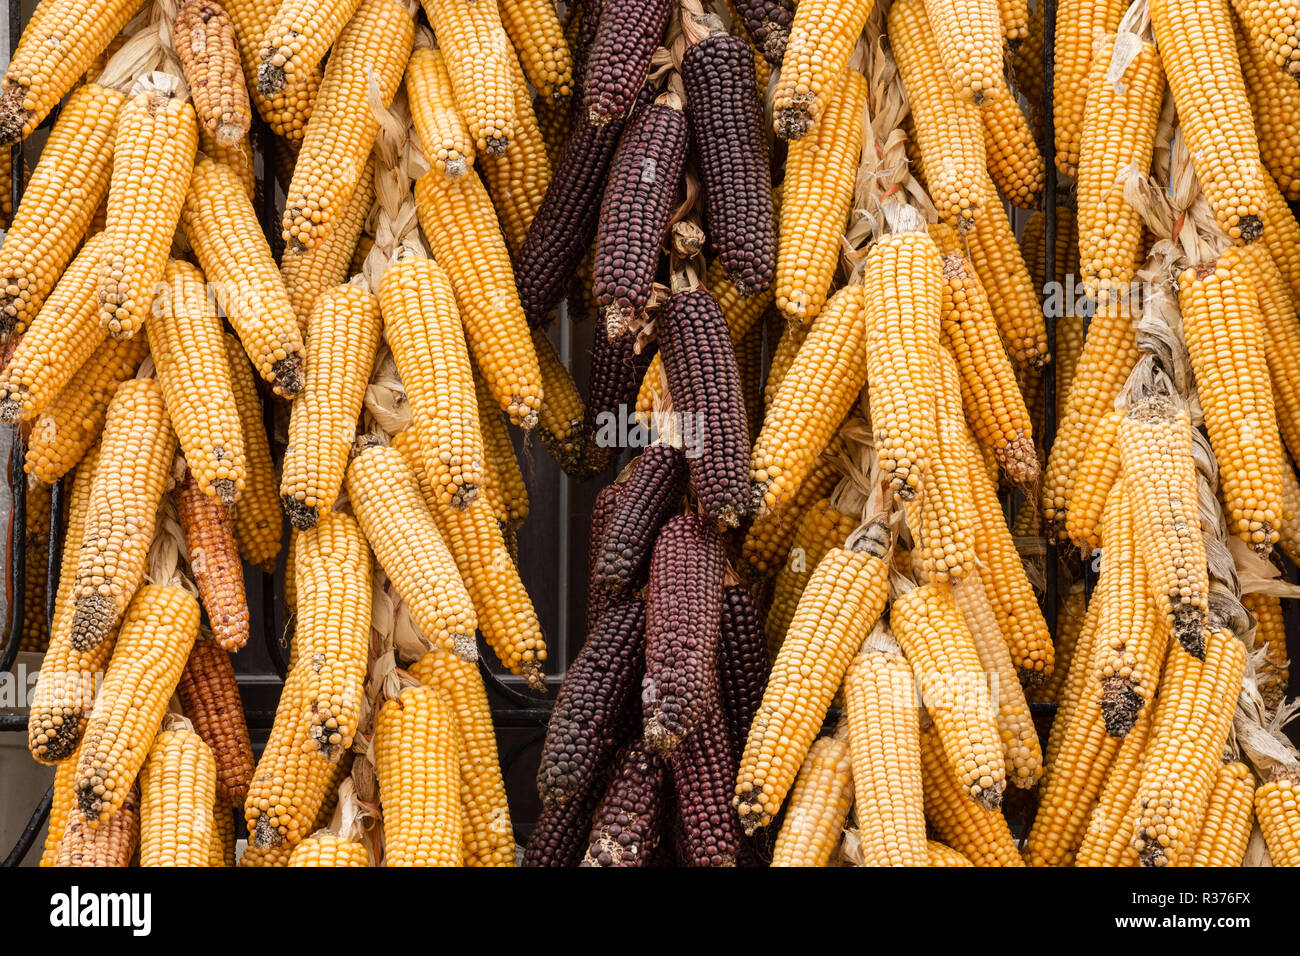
<point>1033,250</point>
<point>423,329</point>
<point>846,594</point>
<point>768,542</point>
<point>940,855</point>
<point>1076,686</point>
<point>553,120</point>
<point>817,52</point>
<point>59,340</point>
<point>328,849</point>
<point>258,521</point>
<point>488,838</point>
<point>1281,338</point>
<point>438,122</point>
<point>561,415</point>
<point>110,844</point>
<point>819,806</point>
<point>801,421</point>
<point>1229,817</point>
<point>327,794</point>
<point>222,850</point>
<point>342,337</point>
<point>1069,348</point>
<point>504,490</point>
<point>1282,237</point>
<point>1274,672</point>
<point>159,629</point>
<point>461,228</point>
<point>1118,136</point>
<point>204,38</point>
<point>178,789</point>
<point>1014,161</point>
<point>1277,808</point>
<point>331,570</point>
<point>57,46</point>
<point>154,146</point>
<point>288,111</point>
<point>385,494</point>
<point>885,741</point>
<point>308,275</point>
<point>969,36</point>
<point>36,545</point>
<point>1224,329</point>
<point>981,835</point>
<point>1098,472</point>
<point>819,529</point>
<point>62,806</point>
<point>1274,99</point>
<point>221,225</point>
<point>950,133</point>
<point>1188,731</point>
<point>299,36</point>
<point>214,560</point>
<point>819,174</point>
<point>1079,24</point>
<point>1107,840</point>
<point>536,32</point>
<point>1205,79</point>
<point>1274,30</point>
<point>475,47</point>
<point>1109,353</point>
<point>518,179</point>
<point>130,478</point>
<point>417,750</point>
<point>373,47</point>
<point>787,347</point>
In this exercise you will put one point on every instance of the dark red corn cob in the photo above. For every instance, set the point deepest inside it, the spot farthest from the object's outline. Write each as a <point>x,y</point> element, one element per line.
<point>704,773</point>
<point>586,727</point>
<point>683,611</point>
<point>726,114</point>
<point>635,211</point>
<point>561,833</point>
<point>618,60</point>
<point>768,24</point>
<point>630,821</point>
<point>601,511</point>
<point>700,364</point>
<point>565,223</point>
<point>652,494</point>
<point>742,664</point>
<point>615,377</point>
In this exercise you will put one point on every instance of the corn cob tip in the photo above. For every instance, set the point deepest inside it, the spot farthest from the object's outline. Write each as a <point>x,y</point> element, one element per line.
<point>794,121</point>
<point>496,146</point>
<point>288,375</point>
<point>774,42</point>
<point>531,671</point>
<point>616,322</point>
<point>758,503</point>
<point>658,738</point>
<point>990,798</point>
<point>224,491</point>
<point>301,516</point>
<point>14,116</point>
<point>1020,461</point>
<point>11,410</point>
<point>270,75</point>
<point>455,167</point>
<point>1120,704</point>
<point>749,807</point>
<point>464,496</point>
<point>265,834</point>
<point>92,620</point>
<point>1189,629</point>
<point>1252,227</point>
<point>568,458</point>
<point>57,739</point>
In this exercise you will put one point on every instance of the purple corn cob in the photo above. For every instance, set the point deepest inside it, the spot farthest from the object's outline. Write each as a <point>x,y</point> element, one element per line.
<point>726,114</point>
<point>768,24</point>
<point>700,364</point>
<point>618,60</point>
<point>683,612</point>
<point>652,494</point>
<point>615,377</point>
<point>585,727</point>
<point>742,665</point>
<point>704,773</point>
<point>565,223</point>
<point>559,836</point>
<point>630,821</point>
<point>601,511</point>
<point>637,205</point>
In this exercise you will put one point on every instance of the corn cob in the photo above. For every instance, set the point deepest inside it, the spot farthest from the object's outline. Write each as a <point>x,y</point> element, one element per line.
<point>536,33</point>
<point>519,179</point>
<point>154,146</point>
<point>161,626</point>
<point>819,806</point>
<point>1273,29</point>
<point>1098,472</point>
<point>299,36</point>
<point>60,339</point>
<point>651,495</point>
<point>726,113</point>
<point>601,510</point>
<point>488,839</point>
<point>438,123</point>
<point>683,611</point>
<point>565,225</point>
<point>476,49</point>
<point>618,60</point>
<point>328,849</point>
<point>940,855</point>
<point>460,225</point>
<point>1014,161</point>
<point>222,848</point>
<point>819,174</point>
<point>1274,673</point>
<point>817,391</point>
<point>615,374</point>
<point>51,220</point>
<point>210,699</point>
<point>1118,135</point>
<point>214,559</point>
<point>36,546</point>
<point>1275,809</point>
<point>342,337</point>
<point>771,534</point>
<point>139,444</point>
<point>57,46</point>
<point>1107,839</point>
<point>1210,93</point>
<point>561,415</point>
<point>62,805</point>
<point>178,785</point>
<point>503,483</point>
<point>633,814</point>
<point>981,835</point>
<point>257,517</point>
<point>819,529</point>
<point>885,743</point>
<point>741,664</point>
<point>817,651</point>
<point>423,329</point>
<point>1182,757</point>
<point>700,366</point>
<point>638,201</point>
<point>768,24</point>
<point>1239,415</point>
<point>1079,25</point>
<point>821,41</point>
<point>703,769</point>
<point>560,835</point>
<point>1281,336</point>
<point>417,751</point>
<point>110,844</point>
<point>1273,96</point>
<point>749,362</point>
<point>375,44</point>
<point>204,39</point>
<point>1229,818</point>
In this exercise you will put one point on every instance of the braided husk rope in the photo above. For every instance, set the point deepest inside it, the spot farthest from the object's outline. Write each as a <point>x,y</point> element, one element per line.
<point>168,555</point>
<point>147,62</point>
<point>399,162</point>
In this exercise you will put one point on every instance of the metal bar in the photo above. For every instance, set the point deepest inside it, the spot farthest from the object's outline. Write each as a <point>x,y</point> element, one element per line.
<point>28,836</point>
<point>1051,583</point>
